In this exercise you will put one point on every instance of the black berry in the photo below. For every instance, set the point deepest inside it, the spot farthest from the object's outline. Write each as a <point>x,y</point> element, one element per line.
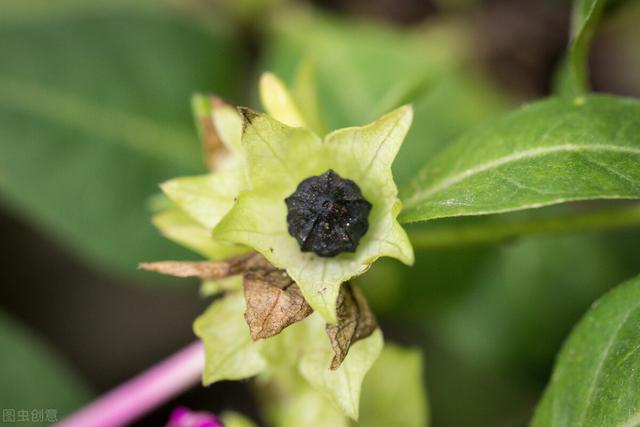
<point>327,214</point>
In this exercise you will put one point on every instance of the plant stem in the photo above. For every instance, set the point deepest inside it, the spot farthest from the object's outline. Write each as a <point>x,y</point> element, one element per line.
<point>143,393</point>
<point>492,231</point>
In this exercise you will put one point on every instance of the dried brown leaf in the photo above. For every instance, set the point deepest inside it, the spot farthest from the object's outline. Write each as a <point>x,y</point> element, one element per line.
<point>355,322</point>
<point>274,301</point>
<point>207,269</point>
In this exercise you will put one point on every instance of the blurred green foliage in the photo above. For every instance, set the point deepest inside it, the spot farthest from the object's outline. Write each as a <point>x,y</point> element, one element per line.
<point>94,114</point>
<point>33,377</point>
<point>364,70</point>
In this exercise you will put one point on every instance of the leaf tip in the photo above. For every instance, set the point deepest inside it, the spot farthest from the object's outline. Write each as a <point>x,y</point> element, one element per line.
<point>268,78</point>
<point>248,115</point>
<point>168,187</point>
<point>145,266</point>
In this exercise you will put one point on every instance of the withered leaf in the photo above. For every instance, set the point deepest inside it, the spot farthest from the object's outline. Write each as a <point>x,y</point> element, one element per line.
<point>274,301</point>
<point>355,322</point>
<point>207,269</point>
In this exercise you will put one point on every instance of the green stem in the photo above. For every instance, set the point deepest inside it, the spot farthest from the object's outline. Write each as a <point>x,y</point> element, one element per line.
<point>491,232</point>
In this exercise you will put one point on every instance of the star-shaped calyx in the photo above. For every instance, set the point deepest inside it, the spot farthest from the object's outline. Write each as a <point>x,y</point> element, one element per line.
<point>282,213</point>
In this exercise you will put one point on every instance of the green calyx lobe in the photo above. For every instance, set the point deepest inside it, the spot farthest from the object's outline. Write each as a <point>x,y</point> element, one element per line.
<point>327,214</point>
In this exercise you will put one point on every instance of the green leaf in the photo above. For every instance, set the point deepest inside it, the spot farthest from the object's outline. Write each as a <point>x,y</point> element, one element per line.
<point>228,125</point>
<point>278,101</point>
<point>220,130</point>
<point>94,113</point>
<point>342,385</point>
<point>291,402</point>
<point>310,408</point>
<point>278,159</point>
<point>298,107</point>
<point>175,225</point>
<point>585,18</point>
<point>230,353</point>
<point>206,198</point>
<point>595,381</point>
<point>33,376</point>
<point>305,93</point>
<point>549,152</point>
<point>393,393</point>
<point>453,104</point>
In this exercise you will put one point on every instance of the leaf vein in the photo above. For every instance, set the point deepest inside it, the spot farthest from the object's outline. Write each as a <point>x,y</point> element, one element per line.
<point>380,145</point>
<point>526,154</point>
<point>604,357</point>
